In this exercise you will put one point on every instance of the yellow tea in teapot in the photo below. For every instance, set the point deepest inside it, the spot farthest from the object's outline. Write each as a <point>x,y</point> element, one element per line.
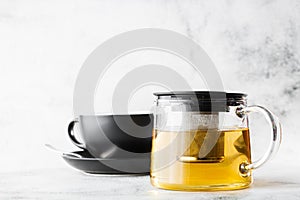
<point>199,159</point>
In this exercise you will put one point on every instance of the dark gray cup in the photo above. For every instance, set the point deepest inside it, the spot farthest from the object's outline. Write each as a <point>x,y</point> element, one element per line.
<point>114,136</point>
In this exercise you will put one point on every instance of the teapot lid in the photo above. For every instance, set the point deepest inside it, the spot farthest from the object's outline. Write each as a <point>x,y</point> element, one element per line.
<point>202,94</point>
<point>207,101</point>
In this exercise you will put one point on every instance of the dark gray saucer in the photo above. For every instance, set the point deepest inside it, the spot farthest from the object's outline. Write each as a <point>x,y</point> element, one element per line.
<point>91,165</point>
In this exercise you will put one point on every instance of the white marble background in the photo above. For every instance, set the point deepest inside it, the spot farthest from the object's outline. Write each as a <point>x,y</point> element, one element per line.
<point>255,45</point>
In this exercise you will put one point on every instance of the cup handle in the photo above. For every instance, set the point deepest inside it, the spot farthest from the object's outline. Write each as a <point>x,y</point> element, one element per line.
<point>276,133</point>
<point>71,134</point>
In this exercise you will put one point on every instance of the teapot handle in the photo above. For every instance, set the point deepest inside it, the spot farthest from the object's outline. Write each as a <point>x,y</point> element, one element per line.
<point>276,135</point>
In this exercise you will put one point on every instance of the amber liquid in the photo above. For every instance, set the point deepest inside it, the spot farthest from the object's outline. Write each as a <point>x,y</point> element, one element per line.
<point>200,160</point>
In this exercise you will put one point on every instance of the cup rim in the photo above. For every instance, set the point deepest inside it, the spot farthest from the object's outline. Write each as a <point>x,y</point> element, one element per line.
<point>112,114</point>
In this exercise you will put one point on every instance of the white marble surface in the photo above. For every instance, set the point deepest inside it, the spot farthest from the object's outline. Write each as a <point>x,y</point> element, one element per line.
<point>64,183</point>
<point>255,45</point>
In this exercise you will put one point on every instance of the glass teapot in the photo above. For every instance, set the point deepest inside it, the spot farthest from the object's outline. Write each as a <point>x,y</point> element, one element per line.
<point>201,141</point>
